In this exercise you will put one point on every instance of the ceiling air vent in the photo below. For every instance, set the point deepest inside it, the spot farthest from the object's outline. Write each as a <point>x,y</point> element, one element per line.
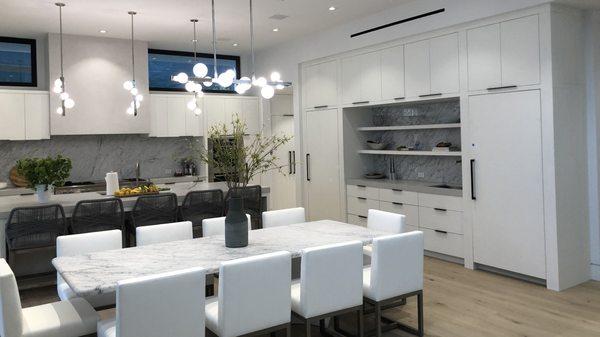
<point>413,18</point>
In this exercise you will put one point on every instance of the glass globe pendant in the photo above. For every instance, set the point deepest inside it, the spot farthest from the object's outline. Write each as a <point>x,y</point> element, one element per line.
<point>130,85</point>
<point>66,102</point>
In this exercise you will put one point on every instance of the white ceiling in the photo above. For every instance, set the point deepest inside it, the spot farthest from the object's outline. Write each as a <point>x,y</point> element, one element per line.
<point>165,23</point>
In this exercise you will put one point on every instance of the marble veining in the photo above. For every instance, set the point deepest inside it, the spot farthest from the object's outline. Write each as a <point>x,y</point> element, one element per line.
<point>98,273</point>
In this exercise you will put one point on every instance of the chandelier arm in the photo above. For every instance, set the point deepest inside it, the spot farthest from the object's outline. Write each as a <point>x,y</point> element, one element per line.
<point>252,39</point>
<point>214,41</point>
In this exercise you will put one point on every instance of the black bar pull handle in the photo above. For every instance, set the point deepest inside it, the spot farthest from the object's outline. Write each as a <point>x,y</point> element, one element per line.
<point>397,190</point>
<point>473,196</point>
<point>290,162</point>
<point>398,203</point>
<point>361,198</point>
<point>441,209</point>
<point>362,216</point>
<point>294,161</point>
<point>399,98</point>
<point>361,102</point>
<point>441,232</point>
<point>321,106</point>
<point>431,95</point>
<point>361,186</point>
<point>308,166</point>
<point>502,87</point>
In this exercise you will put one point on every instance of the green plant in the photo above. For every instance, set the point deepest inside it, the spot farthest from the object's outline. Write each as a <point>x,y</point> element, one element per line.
<point>241,161</point>
<point>45,171</point>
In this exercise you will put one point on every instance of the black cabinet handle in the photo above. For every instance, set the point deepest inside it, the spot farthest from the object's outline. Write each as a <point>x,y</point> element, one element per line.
<point>473,196</point>
<point>361,198</point>
<point>441,232</point>
<point>431,95</point>
<point>396,190</point>
<point>362,216</point>
<point>321,106</point>
<point>308,166</point>
<point>441,209</point>
<point>294,162</point>
<point>398,203</point>
<point>503,87</point>
<point>399,98</point>
<point>290,162</point>
<point>361,186</point>
<point>361,102</point>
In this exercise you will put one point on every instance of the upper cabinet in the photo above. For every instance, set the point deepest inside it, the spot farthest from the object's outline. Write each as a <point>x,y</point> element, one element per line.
<point>361,78</point>
<point>432,67</point>
<point>392,73</point>
<point>220,109</point>
<point>24,115</point>
<point>172,118</point>
<point>320,85</point>
<point>506,54</point>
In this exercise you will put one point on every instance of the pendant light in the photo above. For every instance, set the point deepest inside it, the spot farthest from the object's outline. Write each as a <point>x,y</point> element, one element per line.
<point>130,85</point>
<point>192,84</point>
<point>267,88</point>
<point>66,102</point>
<point>227,78</point>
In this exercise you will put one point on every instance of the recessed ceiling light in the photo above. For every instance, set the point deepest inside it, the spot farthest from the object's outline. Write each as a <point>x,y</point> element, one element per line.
<point>235,44</point>
<point>332,8</point>
<point>102,31</point>
<point>275,29</point>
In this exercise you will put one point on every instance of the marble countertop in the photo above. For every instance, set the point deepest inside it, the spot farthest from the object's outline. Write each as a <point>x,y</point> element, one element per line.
<point>68,201</point>
<point>407,185</point>
<point>98,273</point>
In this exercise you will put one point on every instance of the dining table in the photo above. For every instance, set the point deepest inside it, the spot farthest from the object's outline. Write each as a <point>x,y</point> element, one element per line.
<point>99,272</point>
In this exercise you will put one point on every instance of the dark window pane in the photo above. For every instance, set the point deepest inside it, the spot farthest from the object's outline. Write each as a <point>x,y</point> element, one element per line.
<point>17,64</point>
<point>163,65</point>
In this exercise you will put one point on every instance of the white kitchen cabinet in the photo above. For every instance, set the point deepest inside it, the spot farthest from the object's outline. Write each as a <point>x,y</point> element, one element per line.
<point>322,165</point>
<point>504,54</point>
<point>444,63</point>
<point>320,85</point>
<point>361,78</point>
<point>251,115</point>
<point>283,186</point>
<point>193,122</point>
<point>245,108</point>
<point>24,115</point>
<point>159,125</point>
<point>392,73</point>
<point>214,109</point>
<point>172,118</point>
<point>418,77</point>
<point>508,210</point>
<point>176,111</point>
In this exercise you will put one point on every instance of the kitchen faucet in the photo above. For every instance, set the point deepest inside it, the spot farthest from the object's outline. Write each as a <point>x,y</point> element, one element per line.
<point>137,174</point>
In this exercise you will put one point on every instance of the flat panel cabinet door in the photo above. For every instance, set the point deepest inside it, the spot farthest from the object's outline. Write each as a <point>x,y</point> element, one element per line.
<point>233,108</point>
<point>310,81</point>
<point>508,218</point>
<point>352,69</point>
<point>251,115</point>
<point>193,122</point>
<point>159,113</point>
<point>214,109</point>
<point>37,116</point>
<point>370,83</point>
<point>483,53</point>
<point>283,186</point>
<point>392,73</point>
<point>520,47</point>
<point>418,78</point>
<point>445,77</point>
<point>12,116</point>
<point>327,86</point>
<point>322,165</point>
<point>176,107</point>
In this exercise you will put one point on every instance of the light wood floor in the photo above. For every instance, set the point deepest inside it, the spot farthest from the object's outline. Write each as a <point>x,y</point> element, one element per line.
<point>461,302</point>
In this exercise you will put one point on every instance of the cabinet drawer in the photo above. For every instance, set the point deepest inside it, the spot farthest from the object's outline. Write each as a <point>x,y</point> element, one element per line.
<point>361,206</point>
<point>357,220</point>
<point>443,243</point>
<point>363,191</point>
<point>440,201</point>
<point>441,219</point>
<point>397,195</point>
<point>410,211</point>
<point>409,228</point>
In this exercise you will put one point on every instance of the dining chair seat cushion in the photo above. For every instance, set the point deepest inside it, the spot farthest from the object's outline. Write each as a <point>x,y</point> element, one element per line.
<point>107,327</point>
<point>386,221</point>
<point>367,292</point>
<point>152,234</point>
<point>283,217</point>
<point>64,291</point>
<point>72,318</point>
<point>295,295</point>
<point>212,313</point>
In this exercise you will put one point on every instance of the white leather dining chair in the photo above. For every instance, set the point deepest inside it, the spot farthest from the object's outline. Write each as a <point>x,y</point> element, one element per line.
<point>168,304</point>
<point>330,284</point>
<point>216,226</point>
<point>176,231</point>
<point>396,273</point>
<point>86,243</point>
<point>386,222</point>
<point>71,318</point>
<point>254,296</point>
<point>283,217</point>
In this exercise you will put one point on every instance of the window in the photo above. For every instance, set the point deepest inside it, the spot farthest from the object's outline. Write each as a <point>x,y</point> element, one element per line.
<point>162,64</point>
<point>17,62</point>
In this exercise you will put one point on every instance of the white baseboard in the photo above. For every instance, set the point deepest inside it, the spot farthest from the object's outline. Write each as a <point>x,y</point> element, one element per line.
<point>595,272</point>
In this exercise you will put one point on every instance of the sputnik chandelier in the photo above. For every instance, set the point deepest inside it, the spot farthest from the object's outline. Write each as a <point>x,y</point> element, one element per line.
<point>66,102</point>
<point>130,85</point>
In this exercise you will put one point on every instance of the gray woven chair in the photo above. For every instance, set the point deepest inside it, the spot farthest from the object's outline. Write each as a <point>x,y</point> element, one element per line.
<point>252,196</point>
<point>34,228</point>
<point>200,205</point>
<point>153,210</point>
<point>97,215</point>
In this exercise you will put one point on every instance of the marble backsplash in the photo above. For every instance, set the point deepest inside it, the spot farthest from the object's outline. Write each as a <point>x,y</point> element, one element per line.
<point>443,170</point>
<point>93,156</point>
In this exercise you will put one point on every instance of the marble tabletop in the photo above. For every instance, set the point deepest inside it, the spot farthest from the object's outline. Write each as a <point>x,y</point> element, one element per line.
<point>98,273</point>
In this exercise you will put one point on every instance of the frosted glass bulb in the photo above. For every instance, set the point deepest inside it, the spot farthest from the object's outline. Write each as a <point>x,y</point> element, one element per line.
<point>197,111</point>
<point>199,92</point>
<point>240,89</point>
<point>139,98</point>
<point>183,77</point>
<point>130,110</point>
<point>200,70</point>
<point>279,86</point>
<point>207,83</point>
<point>231,73</point>
<point>58,82</point>
<point>261,82</point>
<point>69,103</point>
<point>57,90</point>
<point>134,91</point>
<point>267,92</point>
<point>192,104</point>
<point>225,80</point>
<point>275,76</point>
<point>190,86</point>
<point>64,96</point>
<point>128,85</point>
<point>59,110</point>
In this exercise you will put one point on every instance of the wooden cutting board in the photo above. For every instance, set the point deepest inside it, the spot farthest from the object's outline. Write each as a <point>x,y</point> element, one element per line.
<point>17,179</point>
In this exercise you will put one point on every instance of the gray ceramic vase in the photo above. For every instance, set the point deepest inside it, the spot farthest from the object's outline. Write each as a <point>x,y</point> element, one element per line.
<point>236,224</point>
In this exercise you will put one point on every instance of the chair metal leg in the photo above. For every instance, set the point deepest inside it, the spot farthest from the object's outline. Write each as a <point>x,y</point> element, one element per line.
<point>420,314</point>
<point>308,328</point>
<point>288,330</point>
<point>378,319</point>
<point>336,323</point>
<point>360,323</point>
<point>273,334</point>
<point>322,327</point>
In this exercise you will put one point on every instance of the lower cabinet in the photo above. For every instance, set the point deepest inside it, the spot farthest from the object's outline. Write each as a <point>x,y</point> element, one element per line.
<point>439,217</point>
